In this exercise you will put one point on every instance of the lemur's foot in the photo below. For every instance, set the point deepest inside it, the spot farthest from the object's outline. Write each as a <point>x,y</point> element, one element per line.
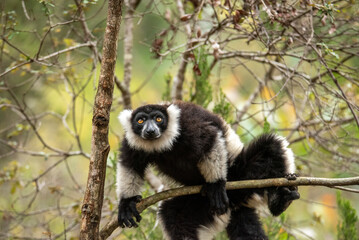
<point>291,176</point>
<point>281,198</point>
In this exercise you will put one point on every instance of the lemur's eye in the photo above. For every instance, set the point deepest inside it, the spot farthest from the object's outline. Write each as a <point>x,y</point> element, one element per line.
<point>159,119</point>
<point>140,121</point>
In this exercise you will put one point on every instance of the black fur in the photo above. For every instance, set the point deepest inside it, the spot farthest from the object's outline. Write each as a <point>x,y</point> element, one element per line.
<point>199,129</point>
<point>218,203</point>
<point>263,158</point>
<point>245,225</point>
<point>198,132</point>
<point>185,215</point>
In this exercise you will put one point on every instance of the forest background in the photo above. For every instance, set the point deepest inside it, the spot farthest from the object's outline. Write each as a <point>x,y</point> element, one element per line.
<point>285,66</point>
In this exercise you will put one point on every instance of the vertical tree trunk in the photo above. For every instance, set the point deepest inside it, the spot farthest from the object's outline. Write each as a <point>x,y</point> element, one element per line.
<point>93,199</point>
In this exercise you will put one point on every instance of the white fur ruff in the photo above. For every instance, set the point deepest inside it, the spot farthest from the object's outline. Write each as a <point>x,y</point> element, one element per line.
<point>165,142</point>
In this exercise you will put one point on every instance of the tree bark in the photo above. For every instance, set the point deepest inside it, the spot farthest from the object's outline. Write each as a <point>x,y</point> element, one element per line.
<point>93,199</point>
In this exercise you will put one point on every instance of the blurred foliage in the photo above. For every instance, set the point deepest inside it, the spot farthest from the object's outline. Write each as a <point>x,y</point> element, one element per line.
<point>275,230</point>
<point>202,94</point>
<point>166,95</point>
<point>288,67</point>
<point>347,228</point>
<point>223,107</point>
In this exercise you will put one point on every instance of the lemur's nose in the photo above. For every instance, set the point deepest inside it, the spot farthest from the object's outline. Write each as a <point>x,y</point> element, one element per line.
<point>150,131</point>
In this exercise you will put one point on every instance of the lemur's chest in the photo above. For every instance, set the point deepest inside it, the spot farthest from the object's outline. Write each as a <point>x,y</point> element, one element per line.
<point>181,166</point>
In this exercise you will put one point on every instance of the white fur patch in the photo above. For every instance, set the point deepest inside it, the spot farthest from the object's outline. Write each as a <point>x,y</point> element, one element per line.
<point>160,144</point>
<point>218,225</point>
<point>258,202</point>
<point>233,144</point>
<point>289,155</point>
<point>214,166</point>
<point>128,183</point>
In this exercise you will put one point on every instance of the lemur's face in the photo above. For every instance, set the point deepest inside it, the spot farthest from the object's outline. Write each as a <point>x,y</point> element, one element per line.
<point>149,123</point>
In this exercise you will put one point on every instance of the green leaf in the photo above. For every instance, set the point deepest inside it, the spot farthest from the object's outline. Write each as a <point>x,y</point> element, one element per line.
<point>15,186</point>
<point>347,226</point>
<point>266,126</point>
<point>328,50</point>
<point>19,128</point>
<point>223,107</point>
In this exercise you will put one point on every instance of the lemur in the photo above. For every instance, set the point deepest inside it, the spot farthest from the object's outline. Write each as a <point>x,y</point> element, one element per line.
<point>193,146</point>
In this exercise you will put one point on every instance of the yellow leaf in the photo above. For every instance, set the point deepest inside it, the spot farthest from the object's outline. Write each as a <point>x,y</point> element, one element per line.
<point>69,42</point>
<point>267,93</point>
<point>27,66</point>
<point>14,70</point>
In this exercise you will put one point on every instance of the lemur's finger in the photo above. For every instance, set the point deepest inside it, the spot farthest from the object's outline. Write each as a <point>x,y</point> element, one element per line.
<point>133,224</point>
<point>138,198</point>
<point>126,222</point>
<point>135,213</point>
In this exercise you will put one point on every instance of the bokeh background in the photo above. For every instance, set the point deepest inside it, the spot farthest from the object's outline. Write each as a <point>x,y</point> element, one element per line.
<point>290,67</point>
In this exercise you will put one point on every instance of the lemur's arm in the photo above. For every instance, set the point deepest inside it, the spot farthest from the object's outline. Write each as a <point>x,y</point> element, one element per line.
<point>129,183</point>
<point>214,170</point>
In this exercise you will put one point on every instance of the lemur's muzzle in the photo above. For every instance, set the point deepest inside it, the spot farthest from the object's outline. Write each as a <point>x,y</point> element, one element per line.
<point>150,131</point>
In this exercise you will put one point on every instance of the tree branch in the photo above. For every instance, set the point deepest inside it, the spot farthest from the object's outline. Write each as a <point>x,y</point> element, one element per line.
<point>177,88</point>
<point>128,54</point>
<point>107,230</point>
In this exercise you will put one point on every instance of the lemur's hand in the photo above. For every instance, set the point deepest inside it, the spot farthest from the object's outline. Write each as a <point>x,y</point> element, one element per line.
<point>127,211</point>
<point>216,192</point>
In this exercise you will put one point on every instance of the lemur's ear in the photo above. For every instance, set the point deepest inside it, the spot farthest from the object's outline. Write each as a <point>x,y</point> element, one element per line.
<point>125,118</point>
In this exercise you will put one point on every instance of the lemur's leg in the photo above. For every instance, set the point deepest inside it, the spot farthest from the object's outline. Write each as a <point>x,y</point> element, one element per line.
<point>188,218</point>
<point>245,225</point>
<point>268,156</point>
<point>213,168</point>
<point>265,157</point>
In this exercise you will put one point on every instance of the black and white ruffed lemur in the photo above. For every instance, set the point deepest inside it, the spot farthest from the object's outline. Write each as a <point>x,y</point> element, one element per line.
<point>196,147</point>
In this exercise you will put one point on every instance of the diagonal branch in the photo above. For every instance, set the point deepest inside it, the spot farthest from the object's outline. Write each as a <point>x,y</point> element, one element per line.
<point>107,230</point>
